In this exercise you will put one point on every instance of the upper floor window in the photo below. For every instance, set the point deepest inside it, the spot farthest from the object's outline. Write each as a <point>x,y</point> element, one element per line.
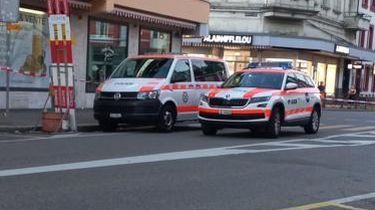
<point>372,7</point>
<point>365,4</point>
<point>325,4</point>
<point>370,36</point>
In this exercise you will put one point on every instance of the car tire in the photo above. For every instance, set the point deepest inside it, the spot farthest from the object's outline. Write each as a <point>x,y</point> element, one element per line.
<point>209,130</point>
<point>108,126</point>
<point>167,119</point>
<point>312,127</point>
<point>274,126</point>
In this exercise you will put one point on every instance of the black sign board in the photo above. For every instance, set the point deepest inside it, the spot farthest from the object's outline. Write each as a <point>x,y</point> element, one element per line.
<point>228,39</point>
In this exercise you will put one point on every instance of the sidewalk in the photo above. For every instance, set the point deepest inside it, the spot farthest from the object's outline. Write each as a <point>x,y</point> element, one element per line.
<point>27,120</point>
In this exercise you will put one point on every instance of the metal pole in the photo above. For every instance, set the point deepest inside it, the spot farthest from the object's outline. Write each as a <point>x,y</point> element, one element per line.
<point>8,65</point>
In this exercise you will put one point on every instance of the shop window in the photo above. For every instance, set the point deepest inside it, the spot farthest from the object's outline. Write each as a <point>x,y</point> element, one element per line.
<point>365,4</point>
<point>29,51</point>
<point>108,47</point>
<point>152,41</point>
<point>331,79</point>
<point>367,78</point>
<point>372,7</point>
<point>370,36</point>
<point>181,72</point>
<point>208,71</point>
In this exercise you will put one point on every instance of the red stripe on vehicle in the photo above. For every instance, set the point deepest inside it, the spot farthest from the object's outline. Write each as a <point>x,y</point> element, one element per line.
<point>147,88</point>
<point>206,110</point>
<point>187,108</point>
<point>214,92</point>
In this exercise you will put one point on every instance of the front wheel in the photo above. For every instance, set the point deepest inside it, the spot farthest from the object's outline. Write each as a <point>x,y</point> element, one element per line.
<point>167,119</point>
<point>312,127</point>
<point>209,130</point>
<point>274,127</point>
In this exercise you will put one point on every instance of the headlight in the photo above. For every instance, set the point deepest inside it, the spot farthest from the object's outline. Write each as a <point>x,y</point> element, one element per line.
<point>148,95</point>
<point>260,99</point>
<point>204,98</point>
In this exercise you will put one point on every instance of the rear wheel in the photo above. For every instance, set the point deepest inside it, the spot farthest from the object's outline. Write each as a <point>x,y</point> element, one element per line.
<point>167,119</point>
<point>107,125</point>
<point>313,125</point>
<point>209,130</point>
<point>274,127</point>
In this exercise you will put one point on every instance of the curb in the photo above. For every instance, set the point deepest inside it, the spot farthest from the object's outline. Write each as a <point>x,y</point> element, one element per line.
<point>25,129</point>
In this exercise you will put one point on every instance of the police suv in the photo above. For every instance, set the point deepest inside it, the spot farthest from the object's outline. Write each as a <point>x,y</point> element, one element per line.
<point>156,89</point>
<point>262,100</point>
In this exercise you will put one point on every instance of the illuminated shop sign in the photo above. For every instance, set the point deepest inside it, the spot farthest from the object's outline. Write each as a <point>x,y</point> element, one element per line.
<point>228,39</point>
<point>342,49</point>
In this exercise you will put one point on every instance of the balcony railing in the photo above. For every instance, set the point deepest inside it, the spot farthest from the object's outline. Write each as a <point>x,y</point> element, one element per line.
<point>292,5</point>
<point>355,21</point>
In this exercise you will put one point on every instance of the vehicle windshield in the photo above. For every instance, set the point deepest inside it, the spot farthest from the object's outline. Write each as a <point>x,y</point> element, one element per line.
<point>143,68</point>
<point>268,80</point>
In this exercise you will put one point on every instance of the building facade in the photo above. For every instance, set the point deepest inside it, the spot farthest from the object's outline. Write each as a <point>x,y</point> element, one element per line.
<point>364,79</point>
<point>319,37</point>
<point>103,34</point>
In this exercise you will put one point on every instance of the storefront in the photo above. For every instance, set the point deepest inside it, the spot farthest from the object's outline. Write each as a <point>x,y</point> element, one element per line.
<point>103,34</point>
<point>322,60</point>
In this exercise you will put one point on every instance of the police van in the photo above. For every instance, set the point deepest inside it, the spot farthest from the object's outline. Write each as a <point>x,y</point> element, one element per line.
<point>262,100</point>
<point>156,90</point>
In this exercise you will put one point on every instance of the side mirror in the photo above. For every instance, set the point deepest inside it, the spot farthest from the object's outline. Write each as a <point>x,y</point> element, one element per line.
<point>291,86</point>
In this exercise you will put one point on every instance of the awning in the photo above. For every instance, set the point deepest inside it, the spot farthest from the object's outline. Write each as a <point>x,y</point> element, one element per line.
<point>261,41</point>
<point>153,19</point>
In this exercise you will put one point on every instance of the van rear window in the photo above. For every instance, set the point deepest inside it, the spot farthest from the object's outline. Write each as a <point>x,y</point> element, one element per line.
<point>143,68</point>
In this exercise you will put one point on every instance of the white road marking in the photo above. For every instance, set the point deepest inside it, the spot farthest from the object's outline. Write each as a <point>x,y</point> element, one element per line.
<point>354,198</point>
<point>192,154</point>
<point>363,128</point>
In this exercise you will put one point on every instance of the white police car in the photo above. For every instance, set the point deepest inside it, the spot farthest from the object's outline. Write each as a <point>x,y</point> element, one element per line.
<point>262,100</point>
<point>156,90</point>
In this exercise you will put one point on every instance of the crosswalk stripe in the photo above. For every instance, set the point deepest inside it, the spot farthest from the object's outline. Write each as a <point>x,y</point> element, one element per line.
<point>364,128</point>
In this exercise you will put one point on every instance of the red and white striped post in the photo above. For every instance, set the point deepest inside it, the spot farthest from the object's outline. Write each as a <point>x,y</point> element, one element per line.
<point>62,60</point>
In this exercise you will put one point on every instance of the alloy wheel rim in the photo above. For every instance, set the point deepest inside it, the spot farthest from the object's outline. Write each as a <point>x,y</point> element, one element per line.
<point>168,120</point>
<point>315,121</point>
<point>277,124</point>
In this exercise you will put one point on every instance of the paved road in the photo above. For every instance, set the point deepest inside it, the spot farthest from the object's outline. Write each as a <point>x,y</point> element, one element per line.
<point>137,168</point>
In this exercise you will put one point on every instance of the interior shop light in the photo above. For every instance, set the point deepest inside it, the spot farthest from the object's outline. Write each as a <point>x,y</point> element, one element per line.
<point>32,11</point>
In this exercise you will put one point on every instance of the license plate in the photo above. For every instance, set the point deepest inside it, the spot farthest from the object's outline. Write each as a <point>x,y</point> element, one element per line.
<point>225,112</point>
<point>115,115</point>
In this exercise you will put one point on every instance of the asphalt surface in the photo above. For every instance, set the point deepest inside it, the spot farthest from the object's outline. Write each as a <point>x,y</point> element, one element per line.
<point>138,168</point>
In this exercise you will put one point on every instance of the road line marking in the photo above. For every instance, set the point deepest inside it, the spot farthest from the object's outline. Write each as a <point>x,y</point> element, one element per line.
<point>363,136</point>
<point>172,156</point>
<point>310,206</point>
<point>335,126</point>
<point>336,203</point>
<point>347,207</point>
<point>355,198</point>
<point>371,128</point>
